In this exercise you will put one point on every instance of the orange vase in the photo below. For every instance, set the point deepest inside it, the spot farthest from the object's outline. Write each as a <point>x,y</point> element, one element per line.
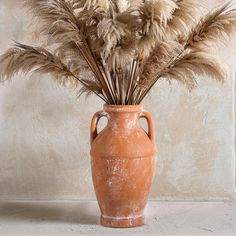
<point>123,164</point>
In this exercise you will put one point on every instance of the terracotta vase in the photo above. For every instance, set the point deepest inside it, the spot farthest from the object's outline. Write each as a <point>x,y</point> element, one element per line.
<point>123,164</point>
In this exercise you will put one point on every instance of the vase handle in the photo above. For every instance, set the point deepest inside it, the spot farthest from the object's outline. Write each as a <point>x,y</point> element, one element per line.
<point>151,125</point>
<point>93,128</point>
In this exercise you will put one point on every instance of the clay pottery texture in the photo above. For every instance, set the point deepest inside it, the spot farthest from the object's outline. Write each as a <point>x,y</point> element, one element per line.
<point>123,164</point>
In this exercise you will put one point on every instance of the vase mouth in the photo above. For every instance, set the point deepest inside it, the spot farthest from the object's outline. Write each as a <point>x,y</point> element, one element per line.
<point>122,108</point>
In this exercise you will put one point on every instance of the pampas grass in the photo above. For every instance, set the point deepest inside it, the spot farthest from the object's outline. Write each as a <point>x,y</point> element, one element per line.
<point>118,49</point>
<point>216,27</point>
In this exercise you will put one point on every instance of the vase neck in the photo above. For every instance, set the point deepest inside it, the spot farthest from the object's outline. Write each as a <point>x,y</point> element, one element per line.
<point>123,117</point>
<point>123,120</point>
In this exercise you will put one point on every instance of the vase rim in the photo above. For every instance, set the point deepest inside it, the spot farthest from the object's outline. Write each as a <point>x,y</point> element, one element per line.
<point>123,108</point>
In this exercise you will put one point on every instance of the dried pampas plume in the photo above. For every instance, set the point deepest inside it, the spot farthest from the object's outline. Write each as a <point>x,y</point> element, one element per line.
<point>215,27</point>
<point>157,61</point>
<point>28,59</point>
<point>193,64</point>
<point>118,49</point>
<point>185,16</point>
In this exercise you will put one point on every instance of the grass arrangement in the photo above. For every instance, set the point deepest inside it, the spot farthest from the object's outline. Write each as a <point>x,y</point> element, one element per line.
<point>118,49</point>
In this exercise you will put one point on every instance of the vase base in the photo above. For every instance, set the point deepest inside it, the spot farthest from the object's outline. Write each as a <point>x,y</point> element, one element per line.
<point>122,222</point>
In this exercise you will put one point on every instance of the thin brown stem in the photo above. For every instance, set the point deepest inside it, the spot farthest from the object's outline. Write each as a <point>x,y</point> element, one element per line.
<point>83,83</point>
<point>130,81</point>
<point>96,72</point>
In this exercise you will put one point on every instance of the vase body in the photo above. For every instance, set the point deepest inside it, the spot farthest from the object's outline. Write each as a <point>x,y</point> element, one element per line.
<point>123,164</point>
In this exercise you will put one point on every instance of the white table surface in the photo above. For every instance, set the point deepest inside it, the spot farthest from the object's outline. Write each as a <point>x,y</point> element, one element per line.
<point>81,218</point>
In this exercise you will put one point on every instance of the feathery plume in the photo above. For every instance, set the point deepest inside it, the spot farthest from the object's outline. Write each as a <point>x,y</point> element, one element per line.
<point>58,20</point>
<point>160,57</point>
<point>215,27</point>
<point>111,31</point>
<point>195,64</point>
<point>185,16</point>
<point>122,55</point>
<point>122,5</point>
<point>29,59</point>
<point>96,5</point>
<point>155,15</point>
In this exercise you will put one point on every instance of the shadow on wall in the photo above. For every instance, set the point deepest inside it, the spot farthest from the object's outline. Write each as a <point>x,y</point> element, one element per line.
<point>78,212</point>
<point>40,138</point>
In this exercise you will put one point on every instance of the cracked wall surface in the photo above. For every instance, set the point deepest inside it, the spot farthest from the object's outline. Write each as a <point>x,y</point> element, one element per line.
<point>44,132</point>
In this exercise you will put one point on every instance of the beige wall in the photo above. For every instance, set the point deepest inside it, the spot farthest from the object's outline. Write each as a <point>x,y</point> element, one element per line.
<point>44,134</point>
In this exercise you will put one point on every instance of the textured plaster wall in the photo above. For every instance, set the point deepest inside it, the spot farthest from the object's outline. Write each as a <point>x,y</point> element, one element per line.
<point>44,133</point>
